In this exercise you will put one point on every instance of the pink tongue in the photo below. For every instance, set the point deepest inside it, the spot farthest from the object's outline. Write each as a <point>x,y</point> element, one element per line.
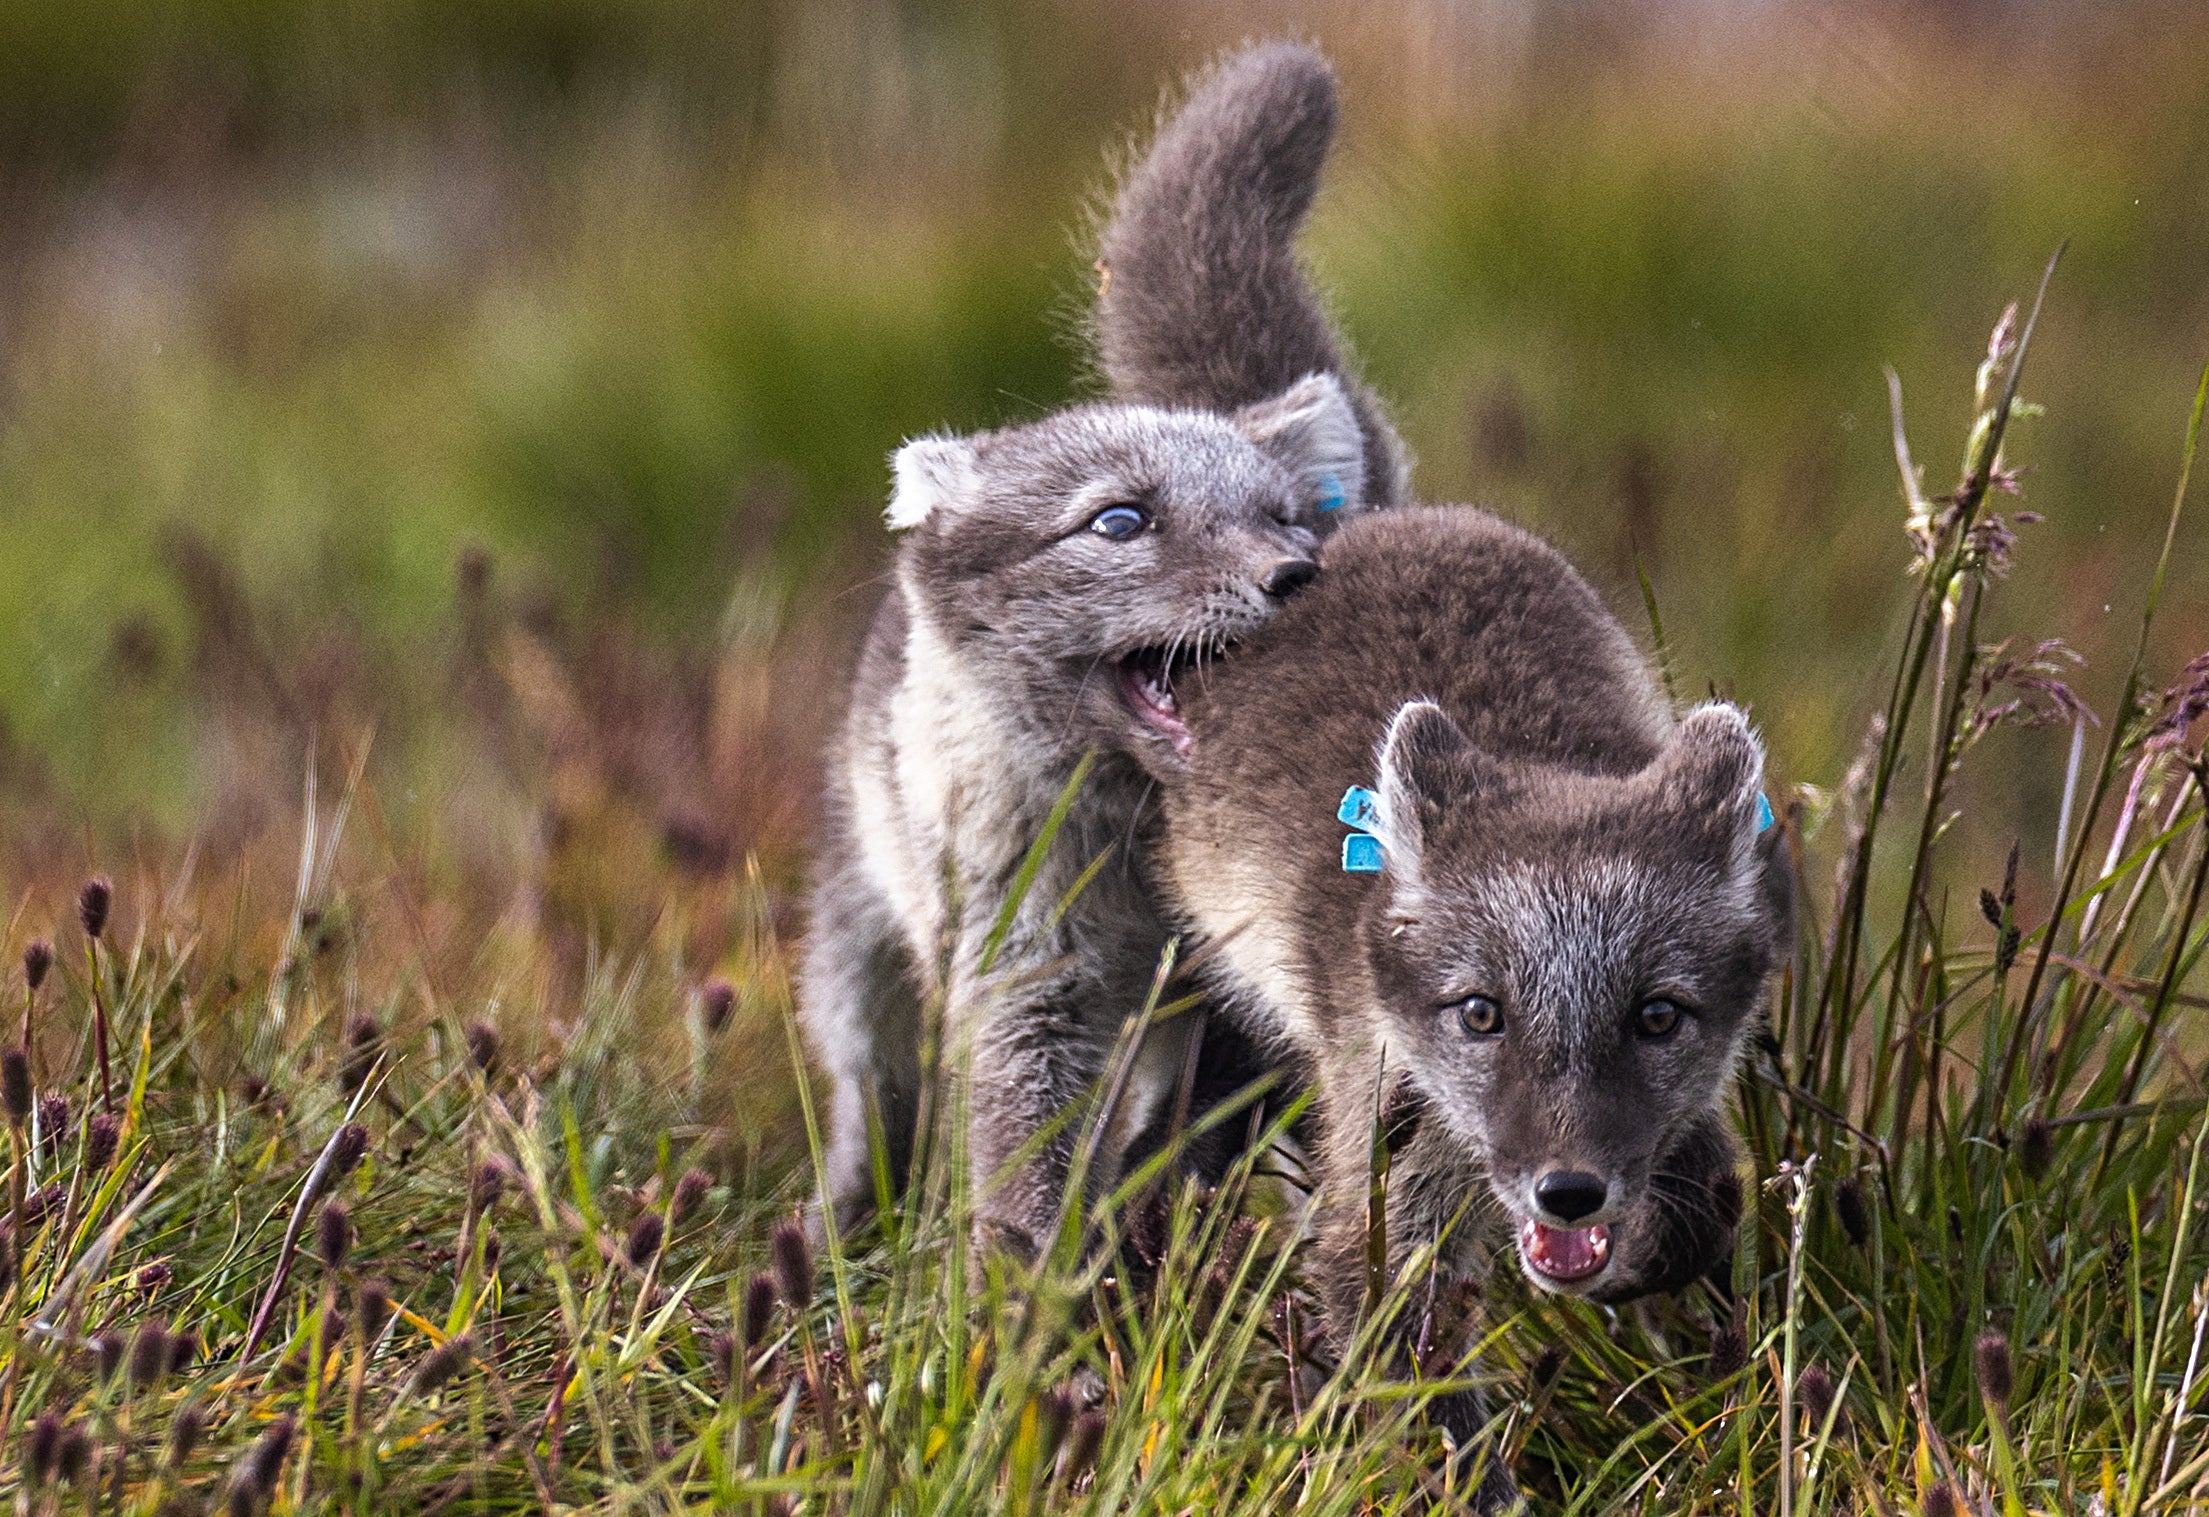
<point>1565,1253</point>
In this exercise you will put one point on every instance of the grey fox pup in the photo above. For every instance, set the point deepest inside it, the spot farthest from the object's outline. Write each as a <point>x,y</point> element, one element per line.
<point>1541,951</point>
<point>1054,583</point>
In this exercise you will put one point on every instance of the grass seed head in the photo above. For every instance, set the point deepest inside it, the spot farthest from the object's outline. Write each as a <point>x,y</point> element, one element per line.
<point>716,999</point>
<point>646,1234</point>
<point>185,1431</point>
<point>690,1194</point>
<point>107,1354</point>
<point>154,1278</point>
<point>487,1185</point>
<point>793,1258</point>
<point>1815,1388</point>
<point>149,1353</point>
<point>492,1250</point>
<point>333,1236</point>
<point>352,1146</point>
<point>1939,1500</point>
<point>264,1466</point>
<point>759,1309</point>
<point>371,1309</point>
<point>183,1349</point>
<point>37,959</point>
<point>44,1452</point>
<point>1729,1347</point>
<point>93,902</point>
<point>1997,1374</point>
<point>101,1135</point>
<point>15,1086</point>
<point>364,1041</point>
<point>2036,1148</point>
<point>483,1047</point>
<point>1855,1215</point>
<point>53,1120</point>
<point>72,1454</point>
<point>443,1362</point>
<point>721,1351</point>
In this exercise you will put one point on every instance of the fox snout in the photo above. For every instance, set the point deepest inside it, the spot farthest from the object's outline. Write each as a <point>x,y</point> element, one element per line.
<point>1565,1196</point>
<point>1288,576</point>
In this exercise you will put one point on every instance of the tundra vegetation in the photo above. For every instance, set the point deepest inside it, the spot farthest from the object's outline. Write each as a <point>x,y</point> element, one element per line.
<point>453,1160</point>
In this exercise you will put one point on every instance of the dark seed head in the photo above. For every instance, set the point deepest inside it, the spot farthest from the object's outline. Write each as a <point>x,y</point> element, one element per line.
<point>716,999</point>
<point>92,905</point>
<point>1814,1387</point>
<point>2036,1148</point>
<point>364,1041</point>
<point>53,1119</point>
<point>1849,1205</point>
<point>492,1249</point>
<point>333,1236</point>
<point>185,1429</point>
<point>1084,1440</point>
<point>793,1259</point>
<point>1939,1500</point>
<point>759,1309</point>
<point>646,1234</point>
<point>1997,1374</point>
<point>483,1047</point>
<point>107,1353</point>
<point>264,1465</point>
<point>155,1277</point>
<point>45,1447</point>
<point>372,1309</point>
<point>350,1149</point>
<point>37,959</point>
<point>444,1362</point>
<point>690,1194</point>
<point>72,1454</point>
<point>1729,1347</point>
<point>101,1135</point>
<point>183,1349</point>
<point>149,1353</point>
<point>15,1086</point>
<point>487,1184</point>
<point>1955,1224</point>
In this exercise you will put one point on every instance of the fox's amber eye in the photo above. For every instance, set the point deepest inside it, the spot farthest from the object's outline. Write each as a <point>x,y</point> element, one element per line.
<point>1119,522</point>
<point>1480,1016</point>
<point>1657,1019</point>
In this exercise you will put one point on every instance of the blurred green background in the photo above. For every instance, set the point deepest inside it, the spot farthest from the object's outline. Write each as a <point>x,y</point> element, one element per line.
<point>496,396</point>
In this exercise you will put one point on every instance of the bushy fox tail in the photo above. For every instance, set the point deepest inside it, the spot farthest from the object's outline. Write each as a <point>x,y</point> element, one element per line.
<point>1202,301</point>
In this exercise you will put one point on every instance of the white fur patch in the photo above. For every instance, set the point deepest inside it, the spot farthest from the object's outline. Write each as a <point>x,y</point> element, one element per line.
<point>933,473</point>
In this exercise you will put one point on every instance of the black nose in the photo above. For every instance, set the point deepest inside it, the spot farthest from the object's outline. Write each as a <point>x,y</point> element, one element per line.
<point>1288,576</point>
<point>1570,1193</point>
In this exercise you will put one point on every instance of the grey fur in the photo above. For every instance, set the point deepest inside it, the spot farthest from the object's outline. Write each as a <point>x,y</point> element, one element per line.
<point>1553,839</point>
<point>1011,644</point>
<point>1203,301</point>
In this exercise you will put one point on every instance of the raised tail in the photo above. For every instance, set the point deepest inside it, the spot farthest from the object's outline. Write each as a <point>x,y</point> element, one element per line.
<point>1202,300</point>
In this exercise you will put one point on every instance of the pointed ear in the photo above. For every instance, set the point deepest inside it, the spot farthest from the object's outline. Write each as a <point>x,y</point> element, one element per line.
<point>1711,775</point>
<point>1426,765</point>
<point>933,473</point>
<point>1311,430</point>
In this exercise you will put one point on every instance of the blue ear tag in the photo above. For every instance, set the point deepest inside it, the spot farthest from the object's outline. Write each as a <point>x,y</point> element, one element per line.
<point>1330,493</point>
<point>1361,851</point>
<point>1763,815</point>
<point>1360,808</point>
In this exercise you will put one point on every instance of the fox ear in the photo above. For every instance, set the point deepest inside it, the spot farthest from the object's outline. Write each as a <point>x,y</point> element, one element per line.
<point>934,473</point>
<point>1711,775</point>
<point>1311,430</point>
<point>1427,764</point>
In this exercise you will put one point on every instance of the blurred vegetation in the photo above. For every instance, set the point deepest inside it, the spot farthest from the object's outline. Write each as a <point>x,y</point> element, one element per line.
<point>503,391</point>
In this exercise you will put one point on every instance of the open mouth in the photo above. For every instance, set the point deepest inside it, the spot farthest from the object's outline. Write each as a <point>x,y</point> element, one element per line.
<point>1564,1254</point>
<point>1147,685</point>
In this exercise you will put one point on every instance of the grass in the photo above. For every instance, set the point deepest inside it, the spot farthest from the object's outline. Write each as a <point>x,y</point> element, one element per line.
<point>469,1243</point>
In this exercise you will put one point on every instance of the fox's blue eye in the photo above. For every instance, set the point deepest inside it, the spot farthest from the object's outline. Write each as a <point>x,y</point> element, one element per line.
<point>1480,1016</point>
<point>1119,522</point>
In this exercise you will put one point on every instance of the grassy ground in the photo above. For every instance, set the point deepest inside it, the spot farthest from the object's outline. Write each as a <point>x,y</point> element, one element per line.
<point>440,457</point>
<point>278,1242</point>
